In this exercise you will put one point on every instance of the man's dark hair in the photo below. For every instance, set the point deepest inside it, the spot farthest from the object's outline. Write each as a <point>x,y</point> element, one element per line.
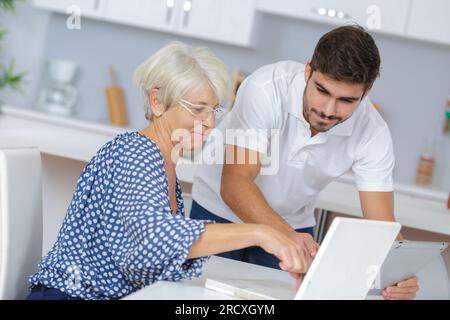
<point>348,54</point>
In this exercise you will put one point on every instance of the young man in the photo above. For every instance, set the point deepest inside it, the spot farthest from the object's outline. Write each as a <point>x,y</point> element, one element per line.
<point>317,122</point>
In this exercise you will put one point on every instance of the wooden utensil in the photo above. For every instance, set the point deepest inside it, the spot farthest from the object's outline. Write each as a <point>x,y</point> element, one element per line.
<point>116,101</point>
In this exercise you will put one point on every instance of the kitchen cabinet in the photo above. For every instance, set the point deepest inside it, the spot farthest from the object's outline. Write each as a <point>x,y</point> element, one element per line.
<point>227,21</point>
<point>384,16</point>
<point>88,8</point>
<point>429,20</point>
<point>154,14</point>
<point>418,19</point>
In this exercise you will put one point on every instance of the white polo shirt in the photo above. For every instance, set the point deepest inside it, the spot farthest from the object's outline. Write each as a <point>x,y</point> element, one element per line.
<point>272,98</point>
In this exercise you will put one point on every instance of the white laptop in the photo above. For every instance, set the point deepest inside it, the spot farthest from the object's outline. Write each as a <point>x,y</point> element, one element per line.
<point>345,266</point>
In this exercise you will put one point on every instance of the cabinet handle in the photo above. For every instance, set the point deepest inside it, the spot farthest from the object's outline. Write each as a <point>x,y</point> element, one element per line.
<point>170,4</point>
<point>331,13</point>
<point>187,8</point>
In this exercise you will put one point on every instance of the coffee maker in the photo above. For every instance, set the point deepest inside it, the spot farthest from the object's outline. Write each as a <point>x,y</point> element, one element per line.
<point>59,95</point>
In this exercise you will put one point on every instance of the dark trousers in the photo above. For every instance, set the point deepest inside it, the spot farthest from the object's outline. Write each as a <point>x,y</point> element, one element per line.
<point>254,255</point>
<point>41,292</point>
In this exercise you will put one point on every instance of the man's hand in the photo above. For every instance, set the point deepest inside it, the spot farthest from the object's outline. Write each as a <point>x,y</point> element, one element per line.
<point>404,290</point>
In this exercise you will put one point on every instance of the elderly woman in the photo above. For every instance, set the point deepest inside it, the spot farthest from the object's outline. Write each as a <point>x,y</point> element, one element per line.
<point>125,227</point>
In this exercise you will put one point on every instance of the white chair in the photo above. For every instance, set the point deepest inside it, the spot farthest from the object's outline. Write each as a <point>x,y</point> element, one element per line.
<point>20,219</point>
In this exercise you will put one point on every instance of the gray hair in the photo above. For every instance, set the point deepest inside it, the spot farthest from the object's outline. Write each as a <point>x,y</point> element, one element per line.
<point>177,70</point>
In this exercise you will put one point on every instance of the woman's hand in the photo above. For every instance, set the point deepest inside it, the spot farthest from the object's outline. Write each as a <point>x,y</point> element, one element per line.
<point>294,255</point>
<point>306,241</point>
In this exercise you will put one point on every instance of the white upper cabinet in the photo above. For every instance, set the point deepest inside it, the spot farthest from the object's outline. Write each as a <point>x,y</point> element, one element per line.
<point>228,21</point>
<point>155,14</point>
<point>89,8</point>
<point>430,20</point>
<point>388,16</point>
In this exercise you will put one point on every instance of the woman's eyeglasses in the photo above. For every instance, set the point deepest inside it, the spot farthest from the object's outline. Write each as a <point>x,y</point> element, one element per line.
<point>203,112</point>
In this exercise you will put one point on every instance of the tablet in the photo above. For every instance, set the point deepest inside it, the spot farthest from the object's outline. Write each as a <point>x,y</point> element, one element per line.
<point>405,259</point>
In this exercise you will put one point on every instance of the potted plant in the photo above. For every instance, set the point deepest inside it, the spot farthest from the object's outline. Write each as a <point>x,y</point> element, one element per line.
<point>8,76</point>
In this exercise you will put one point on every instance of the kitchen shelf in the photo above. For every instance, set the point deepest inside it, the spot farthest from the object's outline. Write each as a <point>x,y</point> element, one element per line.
<point>59,136</point>
<point>29,114</point>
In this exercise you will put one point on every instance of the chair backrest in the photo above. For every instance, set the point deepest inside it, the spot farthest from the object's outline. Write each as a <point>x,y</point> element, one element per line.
<point>20,219</point>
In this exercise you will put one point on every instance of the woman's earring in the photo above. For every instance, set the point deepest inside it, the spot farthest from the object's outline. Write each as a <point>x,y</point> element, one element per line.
<point>158,110</point>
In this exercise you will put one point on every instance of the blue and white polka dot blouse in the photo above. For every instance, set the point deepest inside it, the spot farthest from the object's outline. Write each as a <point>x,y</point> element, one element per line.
<point>119,233</point>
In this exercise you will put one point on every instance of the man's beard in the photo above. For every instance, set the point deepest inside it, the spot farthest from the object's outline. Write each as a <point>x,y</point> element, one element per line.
<point>307,111</point>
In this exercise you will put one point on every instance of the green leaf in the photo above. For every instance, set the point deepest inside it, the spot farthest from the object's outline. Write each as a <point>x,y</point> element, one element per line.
<point>8,5</point>
<point>9,78</point>
<point>3,33</point>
